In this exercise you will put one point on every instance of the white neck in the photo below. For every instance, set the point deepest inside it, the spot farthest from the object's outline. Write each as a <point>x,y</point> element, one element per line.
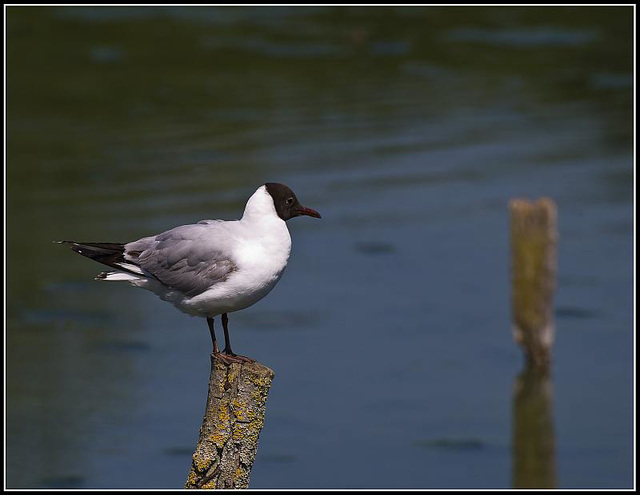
<point>266,227</point>
<point>260,207</point>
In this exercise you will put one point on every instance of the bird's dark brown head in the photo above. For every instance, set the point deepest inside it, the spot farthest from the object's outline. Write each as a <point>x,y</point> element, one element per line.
<point>286,204</point>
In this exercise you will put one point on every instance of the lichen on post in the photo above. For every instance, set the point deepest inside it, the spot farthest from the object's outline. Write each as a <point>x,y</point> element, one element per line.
<point>533,276</point>
<point>232,422</point>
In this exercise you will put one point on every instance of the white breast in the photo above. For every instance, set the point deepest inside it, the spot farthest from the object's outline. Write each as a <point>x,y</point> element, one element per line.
<point>261,254</point>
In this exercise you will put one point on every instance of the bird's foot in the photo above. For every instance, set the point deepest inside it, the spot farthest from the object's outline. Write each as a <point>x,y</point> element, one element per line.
<point>230,357</point>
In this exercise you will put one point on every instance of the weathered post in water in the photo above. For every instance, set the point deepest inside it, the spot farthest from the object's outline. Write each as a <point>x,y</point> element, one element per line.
<point>233,419</point>
<point>534,238</point>
<point>533,276</point>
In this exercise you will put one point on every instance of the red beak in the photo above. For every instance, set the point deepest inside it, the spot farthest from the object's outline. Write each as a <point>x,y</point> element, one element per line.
<point>308,211</point>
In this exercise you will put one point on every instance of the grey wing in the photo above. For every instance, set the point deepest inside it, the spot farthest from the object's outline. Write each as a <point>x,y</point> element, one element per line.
<point>190,258</point>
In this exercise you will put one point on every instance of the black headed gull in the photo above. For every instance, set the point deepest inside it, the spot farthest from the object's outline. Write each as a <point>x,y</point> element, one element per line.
<point>213,267</point>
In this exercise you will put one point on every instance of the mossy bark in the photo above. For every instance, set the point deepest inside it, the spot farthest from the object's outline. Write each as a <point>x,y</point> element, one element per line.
<point>233,419</point>
<point>533,276</point>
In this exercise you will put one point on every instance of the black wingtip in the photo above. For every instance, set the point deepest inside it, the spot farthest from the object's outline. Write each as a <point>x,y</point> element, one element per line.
<point>71,244</point>
<point>108,253</point>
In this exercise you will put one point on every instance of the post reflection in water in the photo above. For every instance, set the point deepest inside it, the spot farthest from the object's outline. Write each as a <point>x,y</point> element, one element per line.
<point>533,438</point>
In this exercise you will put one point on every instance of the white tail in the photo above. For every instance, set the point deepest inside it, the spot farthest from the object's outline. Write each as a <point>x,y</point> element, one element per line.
<point>117,276</point>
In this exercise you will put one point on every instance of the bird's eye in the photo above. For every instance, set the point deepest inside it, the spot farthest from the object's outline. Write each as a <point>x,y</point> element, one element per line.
<point>289,201</point>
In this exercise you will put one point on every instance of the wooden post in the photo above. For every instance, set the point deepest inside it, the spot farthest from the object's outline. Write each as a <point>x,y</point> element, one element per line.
<point>533,272</point>
<point>232,422</point>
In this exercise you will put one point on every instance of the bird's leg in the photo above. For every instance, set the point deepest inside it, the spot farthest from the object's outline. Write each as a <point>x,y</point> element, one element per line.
<point>227,343</point>
<point>213,335</point>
